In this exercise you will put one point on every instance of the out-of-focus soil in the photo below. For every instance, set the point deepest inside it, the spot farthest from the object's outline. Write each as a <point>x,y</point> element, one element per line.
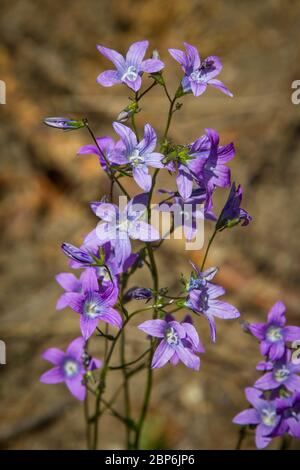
<point>49,62</point>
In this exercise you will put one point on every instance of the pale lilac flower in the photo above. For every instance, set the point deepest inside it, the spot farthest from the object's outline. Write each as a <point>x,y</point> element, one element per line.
<point>107,146</point>
<point>119,226</point>
<point>69,367</point>
<point>203,300</point>
<point>284,373</point>
<point>274,334</point>
<point>232,214</point>
<point>138,155</point>
<point>198,74</point>
<point>188,211</point>
<point>178,342</point>
<point>264,415</point>
<point>128,69</point>
<point>94,305</point>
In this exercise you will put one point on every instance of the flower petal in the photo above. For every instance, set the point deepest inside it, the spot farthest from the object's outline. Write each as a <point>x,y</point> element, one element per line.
<point>162,355</point>
<point>142,177</point>
<point>112,317</point>
<point>142,231</point>
<point>89,280</point>
<point>76,388</point>
<point>68,281</point>
<point>245,417</point>
<point>88,326</point>
<point>52,376</point>
<point>220,86</point>
<point>53,355</point>
<point>109,78</point>
<point>188,358</point>
<point>152,65</point>
<point>115,57</point>
<point>277,314</point>
<point>136,53</point>
<point>127,135</point>
<point>154,328</point>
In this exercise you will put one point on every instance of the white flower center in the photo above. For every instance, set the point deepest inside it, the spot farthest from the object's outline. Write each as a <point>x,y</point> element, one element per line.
<point>268,416</point>
<point>197,76</point>
<point>171,336</point>
<point>91,309</point>
<point>281,374</point>
<point>71,368</point>
<point>130,74</point>
<point>136,159</point>
<point>274,334</point>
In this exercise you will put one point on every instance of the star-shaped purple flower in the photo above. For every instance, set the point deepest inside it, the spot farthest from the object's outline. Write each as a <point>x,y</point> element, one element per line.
<point>178,342</point>
<point>203,300</point>
<point>138,155</point>
<point>69,367</point>
<point>128,69</point>
<point>264,415</point>
<point>94,305</point>
<point>198,74</point>
<point>119,226</point>
<point>283,373</point>
<point>274,334</point>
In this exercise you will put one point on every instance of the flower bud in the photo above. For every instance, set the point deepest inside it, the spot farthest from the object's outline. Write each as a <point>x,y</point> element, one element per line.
<point>64,123</point>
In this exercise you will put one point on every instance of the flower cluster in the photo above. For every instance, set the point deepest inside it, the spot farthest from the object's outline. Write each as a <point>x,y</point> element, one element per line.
<point>125,239</point>
<point>275,397</point>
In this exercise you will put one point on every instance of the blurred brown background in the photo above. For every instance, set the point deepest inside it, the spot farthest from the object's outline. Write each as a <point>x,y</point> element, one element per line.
<point>49,62</point>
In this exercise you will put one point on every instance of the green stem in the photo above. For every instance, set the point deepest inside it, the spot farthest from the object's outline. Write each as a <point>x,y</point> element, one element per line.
<point>111,173</point>
<point>242,435</point>
<point>127,405</point>
<point>207,249</point>
<point>139,97</point>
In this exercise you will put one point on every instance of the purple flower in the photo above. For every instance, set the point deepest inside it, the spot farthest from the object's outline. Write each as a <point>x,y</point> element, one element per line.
<point>128,69</point>
<point>232,214</point>
<point>263,414</point>
<point>107,146</point>
<point>203,300</point>
<point>209,166</point>
<point>77,254</point>
<point>274,334</point>
<point>204,162</point>
<point>138,155</point>
<point>200,279</point>
<point>64,123</point>
<point>198,74</point>
<point>94,305</point>
<point>187,211</point>
<point>119,226</point>
<point>178,342</point>
<point>70,283</point>
<point>69,367</point>
<point>284,373</point>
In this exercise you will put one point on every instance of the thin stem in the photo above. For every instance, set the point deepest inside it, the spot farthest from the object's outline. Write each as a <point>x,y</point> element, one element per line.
<point>139,97</point>
<point>207,249</point>
<point>87,419</point>
<point>241,437</point>
<point>122,366</point>
<point>145,404</point>
<point>134,126</point>
<point>170,114</point>
<point>127,404</point>
<point>111,173</point>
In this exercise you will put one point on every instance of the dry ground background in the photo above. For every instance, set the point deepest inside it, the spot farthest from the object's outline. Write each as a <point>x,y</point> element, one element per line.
<point>49,63</point>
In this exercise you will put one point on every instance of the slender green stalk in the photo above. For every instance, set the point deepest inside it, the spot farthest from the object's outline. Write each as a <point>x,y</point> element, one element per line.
<point>242,435</point>
<point>207,249</point>
<point>111,173</point>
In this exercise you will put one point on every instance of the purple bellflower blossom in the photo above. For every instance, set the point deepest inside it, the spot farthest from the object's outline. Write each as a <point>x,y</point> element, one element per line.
<point>204,162</point>
<point>107,146</point>
<point>274,334</point>
<point>203,300</point>
<point>178,342</point>
<point>283,373</point>
<point>138,155</point>
<point>69,367</point>
<point>198,73</point>
<point>119,226</point>
<point>94,305</point>
<point>187,211</point>
<point>264,415</point>
<point>128,69</point>
<point>232,214</point>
